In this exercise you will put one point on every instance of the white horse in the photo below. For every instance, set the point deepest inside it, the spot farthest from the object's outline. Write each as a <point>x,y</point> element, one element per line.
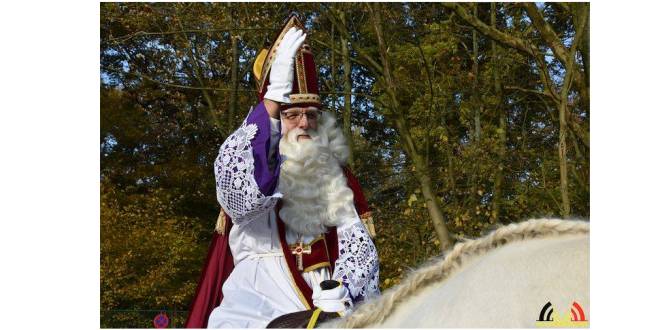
<point>529,274</point>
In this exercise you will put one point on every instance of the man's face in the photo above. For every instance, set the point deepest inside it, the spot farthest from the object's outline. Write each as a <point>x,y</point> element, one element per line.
<point>302,119</point>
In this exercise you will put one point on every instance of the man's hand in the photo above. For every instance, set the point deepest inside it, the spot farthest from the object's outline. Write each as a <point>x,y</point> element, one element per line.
<point>281,71</point>
<point>332,300</point>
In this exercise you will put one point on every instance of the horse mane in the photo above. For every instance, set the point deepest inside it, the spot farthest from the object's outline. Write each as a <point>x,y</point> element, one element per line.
<point>440,268</point>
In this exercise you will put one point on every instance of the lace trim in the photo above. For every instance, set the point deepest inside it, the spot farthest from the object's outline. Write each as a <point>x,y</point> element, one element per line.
<point>357,266</point>
<point>237,191</point>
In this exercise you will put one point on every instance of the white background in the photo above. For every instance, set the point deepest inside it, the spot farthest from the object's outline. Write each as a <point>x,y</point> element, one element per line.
<point>49,165</point>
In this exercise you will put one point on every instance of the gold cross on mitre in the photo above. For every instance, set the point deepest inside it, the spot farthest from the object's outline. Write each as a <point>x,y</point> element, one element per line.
<point>298,251</point>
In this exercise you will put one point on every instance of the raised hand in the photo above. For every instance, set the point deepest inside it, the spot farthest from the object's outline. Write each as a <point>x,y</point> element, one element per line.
<point>281,71</point>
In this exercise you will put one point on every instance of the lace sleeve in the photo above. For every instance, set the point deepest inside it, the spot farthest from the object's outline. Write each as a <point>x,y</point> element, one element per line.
<point>357,264</point>
<point>237,190</point>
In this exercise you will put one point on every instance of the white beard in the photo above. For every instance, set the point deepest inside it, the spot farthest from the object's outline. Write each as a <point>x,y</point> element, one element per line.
<point>315,190</point>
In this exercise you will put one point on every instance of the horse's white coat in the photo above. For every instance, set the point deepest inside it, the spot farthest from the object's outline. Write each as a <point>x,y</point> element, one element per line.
<point>504,288</point>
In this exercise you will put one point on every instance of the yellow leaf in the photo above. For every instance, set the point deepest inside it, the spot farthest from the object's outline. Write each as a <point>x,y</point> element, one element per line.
<point>412,199</point>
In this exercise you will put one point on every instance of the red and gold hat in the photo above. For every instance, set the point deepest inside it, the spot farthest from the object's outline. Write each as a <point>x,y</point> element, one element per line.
<point>305,90</point>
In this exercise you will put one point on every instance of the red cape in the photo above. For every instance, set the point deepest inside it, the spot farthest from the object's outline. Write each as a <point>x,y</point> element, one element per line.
<point>219,264</point>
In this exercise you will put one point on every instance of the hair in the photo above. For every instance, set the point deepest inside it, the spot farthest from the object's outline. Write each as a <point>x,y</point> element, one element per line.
<point>439,269</point>
<point>314,188</point>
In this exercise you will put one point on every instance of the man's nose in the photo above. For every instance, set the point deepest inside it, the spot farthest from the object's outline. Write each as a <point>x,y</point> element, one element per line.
<point>303,123</point>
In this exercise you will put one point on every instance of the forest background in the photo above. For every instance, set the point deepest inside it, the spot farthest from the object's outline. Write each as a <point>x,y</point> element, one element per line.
<point>460,117</point>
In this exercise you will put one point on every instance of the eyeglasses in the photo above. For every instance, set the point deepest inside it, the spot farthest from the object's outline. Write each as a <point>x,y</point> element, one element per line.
<point>296,115</point>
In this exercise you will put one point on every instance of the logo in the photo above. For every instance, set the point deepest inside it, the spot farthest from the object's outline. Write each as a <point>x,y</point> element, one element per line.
<point>161,321</point>
<point>574,319</point>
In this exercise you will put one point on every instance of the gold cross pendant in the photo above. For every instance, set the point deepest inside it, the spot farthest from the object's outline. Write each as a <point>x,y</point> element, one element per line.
<point>298,251</point>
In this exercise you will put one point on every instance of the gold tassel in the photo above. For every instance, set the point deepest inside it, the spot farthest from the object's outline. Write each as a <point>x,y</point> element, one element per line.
<point>220,223</point>
<point>368,222</point>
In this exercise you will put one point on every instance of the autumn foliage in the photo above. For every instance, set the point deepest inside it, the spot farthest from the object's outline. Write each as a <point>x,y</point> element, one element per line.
<point>461,117</point>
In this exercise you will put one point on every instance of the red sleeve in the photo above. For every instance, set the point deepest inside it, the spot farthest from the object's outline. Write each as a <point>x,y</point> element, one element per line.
<point>358,196</point>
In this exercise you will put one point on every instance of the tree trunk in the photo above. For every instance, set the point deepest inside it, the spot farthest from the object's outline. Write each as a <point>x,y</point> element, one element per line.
<point>522,45</point>
<point>476,138</point>
<point>475,72</point>
<point>199,77</point>
<point>333,74</point>
<point>583,46</point>
<point>233,99</point>
<point>502,127</point>
<point>450,181</point>
<point>446,242</point>
<point>346,56</point>
<point>422,171</point>
<point>563,167</point>
<point>571,72</point>
<point>564,55</point>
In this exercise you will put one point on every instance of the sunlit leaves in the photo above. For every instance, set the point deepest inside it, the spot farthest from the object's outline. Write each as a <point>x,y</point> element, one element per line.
<point>158,141</point>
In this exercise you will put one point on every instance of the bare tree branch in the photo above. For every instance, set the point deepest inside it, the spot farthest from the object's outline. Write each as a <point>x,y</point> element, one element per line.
<point>491,32</point>
<point>332,15</point>
<point>532,91</point>
<point>546,31</point>
<point>151,33</point>
<point>566,57</point>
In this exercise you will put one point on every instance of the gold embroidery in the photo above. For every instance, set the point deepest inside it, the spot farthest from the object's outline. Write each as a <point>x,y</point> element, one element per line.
<point>304,98</point>
<point>302,78</point>
<point>320,237</point>
<point>368,222</point>
<point>294,21</point>
<point>306,49</point>
<point>298,250</point>
<point>301,296</point>
<point>316,266</point>
<point>220,223</point>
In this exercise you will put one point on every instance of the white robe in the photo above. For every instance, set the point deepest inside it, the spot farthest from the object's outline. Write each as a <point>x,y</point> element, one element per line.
<point>261,287</point>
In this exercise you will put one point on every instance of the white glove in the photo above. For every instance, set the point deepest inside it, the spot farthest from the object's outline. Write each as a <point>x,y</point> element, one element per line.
<point>333,300</point>
<point>281,71</point>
